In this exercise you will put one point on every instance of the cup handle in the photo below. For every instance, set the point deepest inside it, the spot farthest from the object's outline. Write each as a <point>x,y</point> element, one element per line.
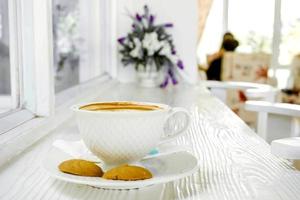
<point>177,122</point>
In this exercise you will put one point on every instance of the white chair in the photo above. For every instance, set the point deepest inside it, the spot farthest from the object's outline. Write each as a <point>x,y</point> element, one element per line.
<point>294,79</point>
<point>278,124</point>
<point>292,92</point>
<point>234,94</point>
<point>246,67</point>
<point>288,148</point>
<point>255,91</point>
<point>247,76</point>
<point>275,120</point>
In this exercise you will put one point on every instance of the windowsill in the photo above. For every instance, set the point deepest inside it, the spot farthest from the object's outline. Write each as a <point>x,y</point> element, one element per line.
<point>13,119</point>
<point>5,106</point>
<point>16,140</point>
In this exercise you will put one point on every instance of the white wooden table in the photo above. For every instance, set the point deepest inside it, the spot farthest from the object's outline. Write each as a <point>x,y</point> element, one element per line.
<point>234,162</point>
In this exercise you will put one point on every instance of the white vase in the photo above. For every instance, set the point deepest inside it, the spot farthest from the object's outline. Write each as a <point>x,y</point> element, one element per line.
<point>148,76</point>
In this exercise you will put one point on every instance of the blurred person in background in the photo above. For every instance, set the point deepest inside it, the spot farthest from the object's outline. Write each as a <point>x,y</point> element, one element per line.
<point>214,61</point>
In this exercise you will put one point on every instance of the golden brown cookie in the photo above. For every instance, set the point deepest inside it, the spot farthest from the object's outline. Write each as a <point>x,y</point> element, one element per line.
<point>128,173</point>
<point>80,168</point>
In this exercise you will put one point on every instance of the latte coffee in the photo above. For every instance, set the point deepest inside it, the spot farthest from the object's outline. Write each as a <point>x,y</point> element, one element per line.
<point>119,106</point>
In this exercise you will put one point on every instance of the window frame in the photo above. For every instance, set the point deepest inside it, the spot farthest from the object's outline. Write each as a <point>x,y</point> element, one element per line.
<point>17,114</point>
<point>33,58</point>
<point>30,62</point>
<point>14,56</point>
<point>40,80</point>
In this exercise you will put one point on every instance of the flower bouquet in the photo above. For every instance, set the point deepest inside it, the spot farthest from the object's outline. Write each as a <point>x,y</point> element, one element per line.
<point>150,49</point>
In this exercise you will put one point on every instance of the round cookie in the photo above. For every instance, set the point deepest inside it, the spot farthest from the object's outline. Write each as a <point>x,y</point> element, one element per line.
<point>80,168</point>
<point>128,173</point>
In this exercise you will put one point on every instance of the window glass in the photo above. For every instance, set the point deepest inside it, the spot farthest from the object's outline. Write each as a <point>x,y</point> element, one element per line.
<point>251,21</point>
<point>5,88</point>
<point>66,37</point>
<point>290,31</point>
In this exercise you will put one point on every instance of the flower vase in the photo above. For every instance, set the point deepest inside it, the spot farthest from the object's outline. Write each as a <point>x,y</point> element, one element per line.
<point>148,76</point>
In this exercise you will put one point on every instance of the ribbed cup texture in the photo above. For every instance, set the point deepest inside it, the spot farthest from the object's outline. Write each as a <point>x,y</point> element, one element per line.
<point>118,139</point>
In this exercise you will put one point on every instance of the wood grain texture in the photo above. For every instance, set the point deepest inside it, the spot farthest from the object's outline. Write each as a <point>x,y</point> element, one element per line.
<point>234,162</point>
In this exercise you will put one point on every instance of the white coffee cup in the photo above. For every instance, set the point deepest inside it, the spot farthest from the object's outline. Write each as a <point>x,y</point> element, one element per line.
<point>126,135</point>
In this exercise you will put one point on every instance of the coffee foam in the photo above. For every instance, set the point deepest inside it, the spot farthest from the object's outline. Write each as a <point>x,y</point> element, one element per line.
<point>119,106</point>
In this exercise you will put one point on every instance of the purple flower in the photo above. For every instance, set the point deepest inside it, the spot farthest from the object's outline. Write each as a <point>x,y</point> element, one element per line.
<point>173,52</point>
<point>151,19</point>
<point>172,76</point>
<point>121,40</point>
<point>133,26</point>
<point>138,17</point>
<point>174,81</point>
<point>170,72</point>
<point>180,64</point>
<point>165,83</point>
<point>168,25</point>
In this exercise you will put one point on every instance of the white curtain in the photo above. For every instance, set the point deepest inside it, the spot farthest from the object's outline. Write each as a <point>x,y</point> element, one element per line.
<point>204,8</point>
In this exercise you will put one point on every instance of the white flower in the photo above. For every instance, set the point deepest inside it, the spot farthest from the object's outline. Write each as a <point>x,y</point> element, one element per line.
<point>68,39</point>
<point>137,51</point>
<point>64,45</point>
<point>130,44</point>
<point>166,49</point>
<point>151,43</point>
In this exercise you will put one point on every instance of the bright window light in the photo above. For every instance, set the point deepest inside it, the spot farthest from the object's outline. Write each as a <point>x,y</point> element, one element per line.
<point>251,21</point>
<point>290,32</point>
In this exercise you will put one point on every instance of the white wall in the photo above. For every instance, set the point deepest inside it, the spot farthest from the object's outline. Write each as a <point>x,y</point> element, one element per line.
<point>184,15</point>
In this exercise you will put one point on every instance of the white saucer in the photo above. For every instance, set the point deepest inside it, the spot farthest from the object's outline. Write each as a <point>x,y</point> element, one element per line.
<point>77,149</point>
<point>165,168</point>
